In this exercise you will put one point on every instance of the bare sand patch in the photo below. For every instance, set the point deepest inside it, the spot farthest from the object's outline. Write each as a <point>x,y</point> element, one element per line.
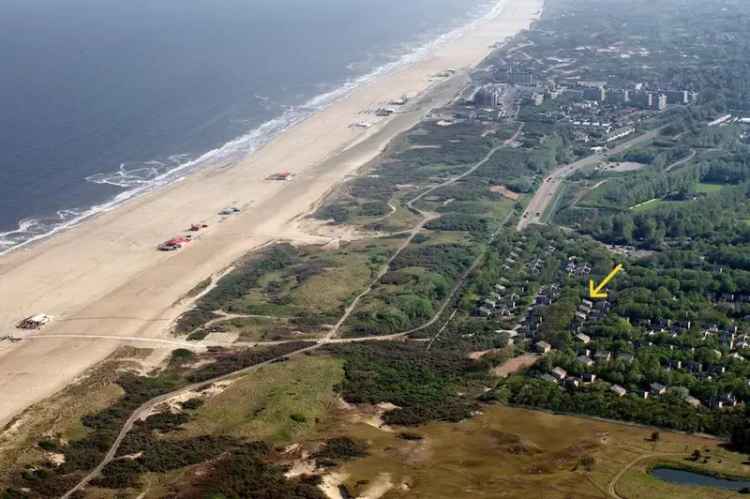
<point>505,192</point>
<point>331,483</point>
<point>515,365</point>
<point>624,166</point>
<point>479,354</point>
<point>378,487</point>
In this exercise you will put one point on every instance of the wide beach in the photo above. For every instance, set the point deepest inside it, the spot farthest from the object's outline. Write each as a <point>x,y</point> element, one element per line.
<point>104,278</point>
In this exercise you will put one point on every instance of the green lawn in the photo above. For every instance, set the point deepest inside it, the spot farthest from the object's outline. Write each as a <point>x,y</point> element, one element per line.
<point>646,205</point>
<point>708,188</point>
<point>278,403</point>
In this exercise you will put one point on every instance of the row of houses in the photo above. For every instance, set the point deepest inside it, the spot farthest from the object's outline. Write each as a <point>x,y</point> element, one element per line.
<point>504,300</point>
<point>560,376</point>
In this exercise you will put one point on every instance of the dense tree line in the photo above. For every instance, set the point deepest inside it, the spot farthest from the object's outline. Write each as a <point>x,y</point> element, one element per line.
<point>598,401</point>
<point>446,259</point>
<point>460,222</point>
<point>423,385</point>
<point>718,218</point>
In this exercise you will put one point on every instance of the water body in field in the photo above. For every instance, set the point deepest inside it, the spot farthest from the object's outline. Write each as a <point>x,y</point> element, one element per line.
<point>683,477</point>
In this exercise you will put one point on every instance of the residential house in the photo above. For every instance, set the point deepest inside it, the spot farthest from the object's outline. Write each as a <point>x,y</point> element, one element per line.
<point>559,373</point>
<point>543,347</point>
<point>572,382</point>
<point>484,312</point>
<point>618,390</point>
<point>582,359</point>
<point>588,377</point>
<point>657,389</point>
<point>692,401</point>
<point>724,401</point>
<point>626,357</point>
<point>603,356</point>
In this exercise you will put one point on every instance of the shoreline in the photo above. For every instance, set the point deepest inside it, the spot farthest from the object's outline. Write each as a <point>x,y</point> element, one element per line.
<point>105,276</point>
<point>230,153</point>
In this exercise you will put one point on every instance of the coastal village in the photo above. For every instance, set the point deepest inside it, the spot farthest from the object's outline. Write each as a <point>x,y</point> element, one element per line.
<point>519,302</point>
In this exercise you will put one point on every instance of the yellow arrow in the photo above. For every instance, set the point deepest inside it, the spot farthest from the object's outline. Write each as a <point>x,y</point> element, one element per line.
<point>595,292</point>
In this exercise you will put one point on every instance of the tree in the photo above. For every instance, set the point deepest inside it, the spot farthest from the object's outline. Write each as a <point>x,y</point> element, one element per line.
<point>623,228</point>
<point>741,438</point>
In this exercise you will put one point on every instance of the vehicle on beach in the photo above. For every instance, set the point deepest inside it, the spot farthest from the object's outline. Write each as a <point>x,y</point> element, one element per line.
<point>281,176</point>
<point>197,227</point>
<point>400,101</point>
<point>229,211</point>
<point>175,243</point>
<point>37,321</point>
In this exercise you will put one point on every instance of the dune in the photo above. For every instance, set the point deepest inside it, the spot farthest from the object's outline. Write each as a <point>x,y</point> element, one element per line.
<point>105,277</point>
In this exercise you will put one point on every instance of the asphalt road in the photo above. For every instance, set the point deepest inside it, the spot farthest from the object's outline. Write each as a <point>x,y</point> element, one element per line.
<point>547,192</point>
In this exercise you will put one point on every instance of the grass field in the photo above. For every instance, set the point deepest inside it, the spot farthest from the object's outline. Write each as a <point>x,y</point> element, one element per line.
<point>277,403</point>
<point>320,284</point>
<point>708,188</point>
<point>502,452</point>
<point>515,453</point>
<point>636,483</point>
<point>653,204</point>
<point>265,329</point>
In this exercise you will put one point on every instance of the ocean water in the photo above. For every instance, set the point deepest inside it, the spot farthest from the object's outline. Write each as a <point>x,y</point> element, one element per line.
<point>102,100</point>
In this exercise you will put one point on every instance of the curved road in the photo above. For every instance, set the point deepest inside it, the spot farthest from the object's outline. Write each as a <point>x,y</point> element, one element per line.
<point>611,488</point>
<point>547,192</point>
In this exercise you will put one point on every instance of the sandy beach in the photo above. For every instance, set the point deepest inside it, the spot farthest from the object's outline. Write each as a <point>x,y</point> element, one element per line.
<point>105,277</point>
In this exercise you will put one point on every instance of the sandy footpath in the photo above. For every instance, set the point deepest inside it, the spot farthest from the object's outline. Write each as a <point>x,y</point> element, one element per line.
<point>105,276</point>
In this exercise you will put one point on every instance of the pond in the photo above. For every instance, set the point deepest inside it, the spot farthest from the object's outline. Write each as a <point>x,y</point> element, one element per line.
<point>682,477</point>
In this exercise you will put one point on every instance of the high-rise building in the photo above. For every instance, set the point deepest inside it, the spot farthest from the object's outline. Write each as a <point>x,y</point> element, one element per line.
<point>644,100</point>
<point>660,102</point>
<point>488,96</point>
<point>598,94</point>
<point>516,76</point>
<point>524,78</point>
<point>679,97</point>
<point>618,96</point>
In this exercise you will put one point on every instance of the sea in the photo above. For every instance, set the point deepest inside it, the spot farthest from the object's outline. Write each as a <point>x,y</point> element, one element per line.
<point>104,100</point>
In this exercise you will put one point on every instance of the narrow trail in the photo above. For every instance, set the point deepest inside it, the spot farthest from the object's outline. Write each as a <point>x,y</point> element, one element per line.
<point>682,161</point>
<point>440,331</point>
<point>611,488</point>
<point>146,408</point>
<point>330,338</point>
<point>426,218</point>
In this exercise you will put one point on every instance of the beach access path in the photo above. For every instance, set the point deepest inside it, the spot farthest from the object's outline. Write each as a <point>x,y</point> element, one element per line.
<point>105,276</point>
